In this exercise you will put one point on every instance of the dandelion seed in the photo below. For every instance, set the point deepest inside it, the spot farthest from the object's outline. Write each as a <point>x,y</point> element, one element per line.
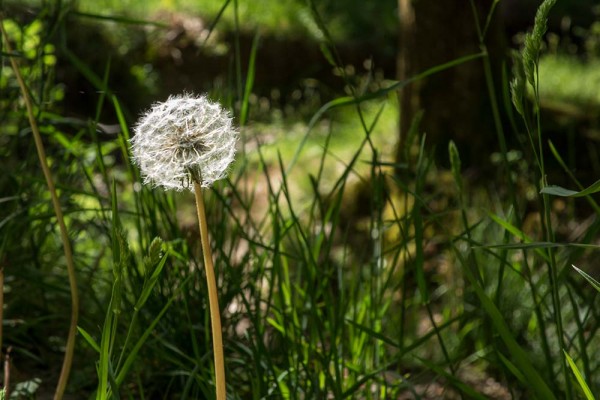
<point>188,142</point>
<point>186,138</point>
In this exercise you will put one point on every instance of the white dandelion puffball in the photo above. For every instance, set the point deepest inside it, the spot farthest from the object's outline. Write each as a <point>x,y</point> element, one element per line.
<point>183,139</point>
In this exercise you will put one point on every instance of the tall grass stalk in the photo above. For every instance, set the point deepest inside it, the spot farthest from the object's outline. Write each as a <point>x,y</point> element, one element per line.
<point>530,57</point>
<point>508,174</point>
<point>70,345</point>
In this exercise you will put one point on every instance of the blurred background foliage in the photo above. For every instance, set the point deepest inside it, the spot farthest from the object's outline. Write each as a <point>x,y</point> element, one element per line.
<point>317,203</point>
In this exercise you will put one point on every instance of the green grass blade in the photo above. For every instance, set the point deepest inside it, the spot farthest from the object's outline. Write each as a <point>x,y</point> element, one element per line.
<point>213,24</point>
<point>518,356</point>
<point>579,377</point>
<point>103,365</point>
<point>90,75</point>
<point>591,280</point>
<point>136,348</point>
<point>120,255</point>
<point>519,234</point>
<point>512,368</point>
<point>560,191</point>
<point>564,166</point>
<point>249,80</point>
<point>89,339</point>
<point>417,217</point>
<point>538,245</point>
<point>119,19</point>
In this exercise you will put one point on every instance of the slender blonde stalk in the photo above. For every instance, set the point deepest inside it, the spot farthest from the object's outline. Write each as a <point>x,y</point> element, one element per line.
<point>189,139</point>
<point>70,347</point>
<point>213,299</point>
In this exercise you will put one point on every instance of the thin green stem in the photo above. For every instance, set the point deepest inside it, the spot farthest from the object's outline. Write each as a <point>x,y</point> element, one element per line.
<point>549,236</point>
<point>213,299</point>
<point>489,80</point>
<point>70,346</point>
<point>1,305</point>
<point>132,323</point>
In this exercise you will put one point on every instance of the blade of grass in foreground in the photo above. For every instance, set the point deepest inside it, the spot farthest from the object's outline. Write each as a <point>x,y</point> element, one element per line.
<point>88,338</point>
<point>560,191</point>
<point>564,166</point>
<point>518,355</point>
<point>120,257</point>
<point>591,280</point>
<point>580,380</point>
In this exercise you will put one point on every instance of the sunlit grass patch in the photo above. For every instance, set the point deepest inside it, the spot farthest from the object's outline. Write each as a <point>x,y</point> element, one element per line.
<point>339,132</point>
<point>277,16</point>
<point>570,85</point>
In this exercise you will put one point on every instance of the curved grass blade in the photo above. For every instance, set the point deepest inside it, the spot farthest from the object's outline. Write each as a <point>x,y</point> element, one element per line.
<point>89,339</point>
<point>538,245</point>
<point>560,191</point>
<point>119,19</point>
<point>517,233</point>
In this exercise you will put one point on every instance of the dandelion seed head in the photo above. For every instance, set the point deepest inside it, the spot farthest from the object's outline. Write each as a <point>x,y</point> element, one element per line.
<point>182,139</point>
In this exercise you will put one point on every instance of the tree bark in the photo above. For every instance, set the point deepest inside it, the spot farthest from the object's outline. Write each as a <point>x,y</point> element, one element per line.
<point>406,46</point>
<point>455,102</point>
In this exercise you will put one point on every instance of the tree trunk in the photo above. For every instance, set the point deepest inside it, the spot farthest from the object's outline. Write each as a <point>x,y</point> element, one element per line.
<point>455,102</point>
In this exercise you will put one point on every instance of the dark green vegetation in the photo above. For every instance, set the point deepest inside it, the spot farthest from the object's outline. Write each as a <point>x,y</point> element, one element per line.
<point>344,272</point>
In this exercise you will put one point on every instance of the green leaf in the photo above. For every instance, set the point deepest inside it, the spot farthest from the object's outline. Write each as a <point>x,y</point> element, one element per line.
<point>119,19</point>
<point>374,334</point>
<point>560,191</point>
<point>122,373</point>
<point>249,80</point>
<point>538,245</point>
<point>580,380</point>
<point>518,356</point>
<point>276,325</point>
<point>418,224</point>
<point>518,233</point>
<point>88,338</point>
<point>105,353</point>
<point>513,369</point>
<point>591,280</point>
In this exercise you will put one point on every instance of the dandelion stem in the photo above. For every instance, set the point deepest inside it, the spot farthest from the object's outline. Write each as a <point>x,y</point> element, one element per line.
<point>213,299</point>
<point>70,346</point>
